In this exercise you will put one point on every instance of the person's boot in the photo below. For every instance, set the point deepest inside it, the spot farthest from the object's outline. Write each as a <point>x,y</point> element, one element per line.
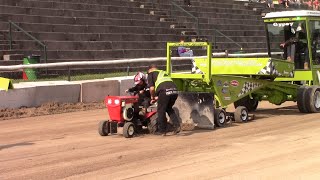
<point>177,129</point>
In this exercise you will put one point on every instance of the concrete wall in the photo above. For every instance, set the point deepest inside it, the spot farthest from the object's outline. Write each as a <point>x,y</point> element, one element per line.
<point>18,97</point>
<point>33,94</point>
<point>124,83</point>
<point>63,93</point>
<point>96,91</point>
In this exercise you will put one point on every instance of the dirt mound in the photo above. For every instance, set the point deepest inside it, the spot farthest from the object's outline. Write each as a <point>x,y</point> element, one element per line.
<point>48,108</point>
<point>187,126</point>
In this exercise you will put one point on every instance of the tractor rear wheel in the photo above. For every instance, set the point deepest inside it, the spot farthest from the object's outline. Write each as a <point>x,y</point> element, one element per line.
<point>241,114</point>
<point>104,128</point>
<point>312,99</point>
<point>128,130</point>
<point>250,104</point>
<point>220,118</point>
<point>301,99</point>
<point>152,125</point>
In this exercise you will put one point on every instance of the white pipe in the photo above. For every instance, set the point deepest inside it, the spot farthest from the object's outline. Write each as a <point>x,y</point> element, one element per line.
<point>124,61</point>
<point>83,63</point>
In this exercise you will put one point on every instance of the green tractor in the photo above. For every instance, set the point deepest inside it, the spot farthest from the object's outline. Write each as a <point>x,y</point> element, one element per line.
<point>290,71</point>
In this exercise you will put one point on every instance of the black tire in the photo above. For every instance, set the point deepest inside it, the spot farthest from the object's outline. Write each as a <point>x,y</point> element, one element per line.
<point>301,100</point>
<point>250,104</point>
<point>104,128</point>
<point>220,118</point>
<point>312,99</point>
<point>241,114</point>
<point>152,125</point>
<point>128,130</point>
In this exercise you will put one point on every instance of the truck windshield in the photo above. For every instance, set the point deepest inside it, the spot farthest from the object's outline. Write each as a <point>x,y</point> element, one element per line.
<point>288,41</point>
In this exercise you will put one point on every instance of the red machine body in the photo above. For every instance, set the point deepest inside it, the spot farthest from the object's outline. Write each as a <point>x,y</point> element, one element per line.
<point>115,105</point>
<point>124,113</point>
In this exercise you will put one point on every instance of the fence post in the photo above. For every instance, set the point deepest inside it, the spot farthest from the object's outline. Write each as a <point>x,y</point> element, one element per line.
<point>69,74</point>
<point>128,70</point>
<point>215,39</point>
<point>45,57</point>
<point>198,28</point>
<point>10,36</point>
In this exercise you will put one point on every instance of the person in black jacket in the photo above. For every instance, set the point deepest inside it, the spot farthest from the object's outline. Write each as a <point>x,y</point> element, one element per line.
<point>164,91</point>
<point>141,89</point>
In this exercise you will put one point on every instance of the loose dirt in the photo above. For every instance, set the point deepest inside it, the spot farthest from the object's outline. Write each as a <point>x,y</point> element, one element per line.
<point>280,143</point>
<point>47,109</point>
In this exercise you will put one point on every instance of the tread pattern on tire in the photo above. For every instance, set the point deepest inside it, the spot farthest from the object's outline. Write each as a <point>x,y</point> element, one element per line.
<point>152,125</point>
<point>103,128</point>
<point>309,99</point>
<point>238,114</point>
<point>301,99</point>
<point>125,129</point>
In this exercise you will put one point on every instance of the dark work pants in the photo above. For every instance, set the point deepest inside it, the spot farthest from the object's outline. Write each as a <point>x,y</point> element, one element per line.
<point>165,103</point>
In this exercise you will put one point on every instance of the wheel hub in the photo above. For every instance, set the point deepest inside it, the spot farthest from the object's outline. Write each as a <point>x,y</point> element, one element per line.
<point>222,118</point>
<point>244,115</point>
<point>131,130</point>
<point>317,99</point>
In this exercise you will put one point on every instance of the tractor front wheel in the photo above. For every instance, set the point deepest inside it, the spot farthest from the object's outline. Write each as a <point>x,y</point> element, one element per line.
<point>220,118</point>
<point>241,114</point>
<point>152,125</point>
<point>301,99</point>
<point>312,99</point>
<point>128,130</point>
<point>104,128</point>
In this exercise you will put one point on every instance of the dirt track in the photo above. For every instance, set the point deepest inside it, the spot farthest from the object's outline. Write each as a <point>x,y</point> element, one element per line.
<point>279,144</point>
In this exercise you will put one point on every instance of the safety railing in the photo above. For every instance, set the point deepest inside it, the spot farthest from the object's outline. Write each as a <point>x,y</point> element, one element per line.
<point>14,25</point>
<point>181,9</point>
<point>214,41</point>
<point>196,22</point>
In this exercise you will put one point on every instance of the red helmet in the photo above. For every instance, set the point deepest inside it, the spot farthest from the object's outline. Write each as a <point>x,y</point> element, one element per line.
<point>139,77</point>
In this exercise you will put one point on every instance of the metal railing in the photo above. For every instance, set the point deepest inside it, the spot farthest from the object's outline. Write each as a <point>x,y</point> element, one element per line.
<point>128,61</point>
<point>12,24</point>
<point>197,25</point>
<point>214,41</point>
<point>196,20</point>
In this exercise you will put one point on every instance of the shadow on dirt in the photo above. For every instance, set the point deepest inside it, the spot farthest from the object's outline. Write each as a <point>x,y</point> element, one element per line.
<point>266,113</point>
<point>14,145</point>
<point>259,114</point>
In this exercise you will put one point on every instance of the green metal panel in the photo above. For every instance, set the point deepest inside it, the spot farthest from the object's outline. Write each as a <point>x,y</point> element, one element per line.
<point>186,76</point>
<point>247,66</point>
<point>283,68</point>
<point>299,75</point>
<point>234,65</point>
<point>228,89</point>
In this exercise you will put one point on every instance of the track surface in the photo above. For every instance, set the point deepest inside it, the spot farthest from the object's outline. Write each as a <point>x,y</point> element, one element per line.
<point>280,143</point>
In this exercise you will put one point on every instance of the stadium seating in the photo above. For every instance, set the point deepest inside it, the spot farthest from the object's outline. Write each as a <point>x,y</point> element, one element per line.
<point>78,30</point>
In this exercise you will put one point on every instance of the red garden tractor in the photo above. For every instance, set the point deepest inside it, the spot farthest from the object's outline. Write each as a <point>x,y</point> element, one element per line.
<point>124,113</point>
